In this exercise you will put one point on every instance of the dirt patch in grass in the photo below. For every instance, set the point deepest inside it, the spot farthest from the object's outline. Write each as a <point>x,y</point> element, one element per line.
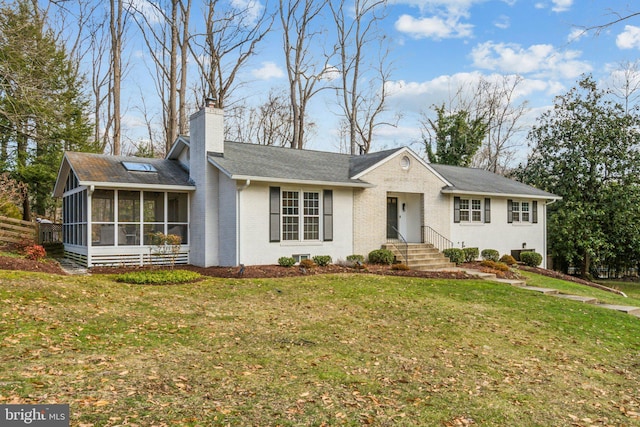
<point>23,264</point>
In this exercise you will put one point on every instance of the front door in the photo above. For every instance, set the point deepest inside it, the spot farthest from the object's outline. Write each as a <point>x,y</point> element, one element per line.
<point>392,217</point>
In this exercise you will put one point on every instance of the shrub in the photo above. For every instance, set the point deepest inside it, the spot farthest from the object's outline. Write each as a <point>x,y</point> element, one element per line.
<point>508,259</point>
<point>470,254</point>
<point>490,255</point>
<point>400,267</point>
<point>158,277</point>
<point>355,258</point>
<point>35,252</point>
<point>322,260</point>
<point>286,261</point>
<point>381,256</point>
<point>494,265</point>
<point>455,255</point>
<point>532,259</point>
<point>307,263</point>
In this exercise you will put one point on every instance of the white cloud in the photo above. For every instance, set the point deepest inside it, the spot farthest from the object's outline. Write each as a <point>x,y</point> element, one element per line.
<point>629,38</point>
<point>537,60</point>
<point>152,12</point>
<point>433,27</point>
<point>253,9</point>
<point>503,22</point>
<point>414,97</point>
<point>561,5</point>
<point>269,70</point>
<point>576,34</point>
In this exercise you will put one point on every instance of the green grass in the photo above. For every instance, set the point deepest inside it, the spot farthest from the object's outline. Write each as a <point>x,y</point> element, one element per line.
<point>631,289</point>
<point>339,350</point>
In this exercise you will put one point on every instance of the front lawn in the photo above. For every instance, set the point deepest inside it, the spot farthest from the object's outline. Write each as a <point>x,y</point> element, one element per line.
<point>318,350</point>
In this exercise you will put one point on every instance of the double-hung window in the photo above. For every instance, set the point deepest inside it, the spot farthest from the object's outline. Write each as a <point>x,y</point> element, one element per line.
<point>300,215</point>
<point>519,211</point>
<point>471,210</point>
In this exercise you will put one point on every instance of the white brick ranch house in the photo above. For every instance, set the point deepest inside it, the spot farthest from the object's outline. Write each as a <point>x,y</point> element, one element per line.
<point>236,203</point>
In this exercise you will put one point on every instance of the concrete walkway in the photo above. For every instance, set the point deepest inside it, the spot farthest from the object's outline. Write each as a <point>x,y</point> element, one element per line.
<point>634,311</point>
<point>71,267</point>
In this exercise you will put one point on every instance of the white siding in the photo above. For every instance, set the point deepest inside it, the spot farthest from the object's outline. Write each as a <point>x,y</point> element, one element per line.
<point>499,234</point>
<point>255,247</point>
<point>227,220</point>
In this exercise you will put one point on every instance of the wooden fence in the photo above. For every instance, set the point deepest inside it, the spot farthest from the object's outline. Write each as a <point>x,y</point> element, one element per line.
<point>18,231</point>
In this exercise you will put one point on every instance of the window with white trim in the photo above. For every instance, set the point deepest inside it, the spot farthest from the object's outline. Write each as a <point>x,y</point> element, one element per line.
<point>520,211</point>
<point>293,216</point>
<point>470,210</point>
<point>290,215</point>
<point>297,216</point>
<point>311,215</point>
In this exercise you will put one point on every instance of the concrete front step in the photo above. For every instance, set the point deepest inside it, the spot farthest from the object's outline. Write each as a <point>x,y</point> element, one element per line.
<point>635,311</point>
<point>419,256</point>
<point>441,266</point>
<point>586,300</point>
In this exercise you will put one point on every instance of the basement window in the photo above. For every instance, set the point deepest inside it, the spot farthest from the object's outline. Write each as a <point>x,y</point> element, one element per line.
<point>139,167</point>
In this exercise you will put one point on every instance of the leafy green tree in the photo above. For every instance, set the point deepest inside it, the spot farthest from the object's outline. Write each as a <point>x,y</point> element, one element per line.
<point>42,109</point>
<point>585,149</point>
<point>457,137</point>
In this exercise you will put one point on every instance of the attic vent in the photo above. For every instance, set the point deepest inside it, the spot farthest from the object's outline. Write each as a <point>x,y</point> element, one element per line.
<point>139,167</point>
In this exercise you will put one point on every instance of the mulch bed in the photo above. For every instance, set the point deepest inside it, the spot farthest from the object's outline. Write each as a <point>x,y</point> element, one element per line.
<point>272,271</point>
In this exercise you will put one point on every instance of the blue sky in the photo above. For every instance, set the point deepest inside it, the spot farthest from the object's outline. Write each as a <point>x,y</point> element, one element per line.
<point>438,45</point>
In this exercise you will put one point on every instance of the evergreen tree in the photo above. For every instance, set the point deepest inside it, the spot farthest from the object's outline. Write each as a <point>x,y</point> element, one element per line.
<point>42,109</point>
<point>585,149</point>
<point>457,137</point>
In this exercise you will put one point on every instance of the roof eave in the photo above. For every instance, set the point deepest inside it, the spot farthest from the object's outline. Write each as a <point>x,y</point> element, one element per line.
<point>485,193</point>
<point>137,186</point>
<point>301,181</point>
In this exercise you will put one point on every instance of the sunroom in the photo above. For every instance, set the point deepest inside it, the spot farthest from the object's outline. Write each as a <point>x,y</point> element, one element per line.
<point>115,208</point>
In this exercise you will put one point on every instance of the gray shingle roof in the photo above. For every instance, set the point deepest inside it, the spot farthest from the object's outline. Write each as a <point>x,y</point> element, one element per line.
<point>286,164</point>
<point>97,168</point>
<point>470,180</point>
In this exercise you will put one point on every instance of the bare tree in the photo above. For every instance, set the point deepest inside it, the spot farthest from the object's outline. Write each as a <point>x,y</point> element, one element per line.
<point>267,124</point>
<point>497,102</point>
<point>231,37</point>
<point>116,30</point>
<point>164,27</point>
<point>617,17</point>
<point>304,70</point>
<point>625,83</point>
<point>361,99</point>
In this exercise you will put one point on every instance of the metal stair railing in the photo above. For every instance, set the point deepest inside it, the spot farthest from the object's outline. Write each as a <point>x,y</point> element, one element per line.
<point>431,236</point>
<point>404,254</point>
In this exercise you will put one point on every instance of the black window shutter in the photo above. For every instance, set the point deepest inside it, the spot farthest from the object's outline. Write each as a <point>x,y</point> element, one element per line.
<point>534,212</point>
<point>487,210</point>
<point>456,209</point>
<point>509,211</point>
<point>274,214</point>
<point>327,215</point>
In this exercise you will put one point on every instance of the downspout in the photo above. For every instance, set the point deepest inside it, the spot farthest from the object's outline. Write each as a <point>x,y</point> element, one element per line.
<point>247,183</point>
<point>545,231</point>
